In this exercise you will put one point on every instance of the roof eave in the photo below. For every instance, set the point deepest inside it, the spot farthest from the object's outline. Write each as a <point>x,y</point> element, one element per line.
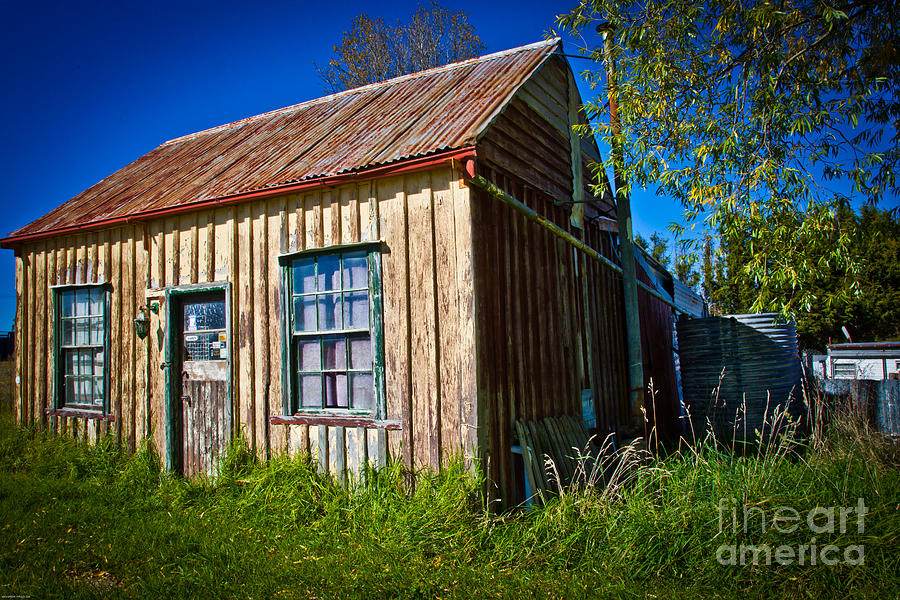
<point>410,165</point>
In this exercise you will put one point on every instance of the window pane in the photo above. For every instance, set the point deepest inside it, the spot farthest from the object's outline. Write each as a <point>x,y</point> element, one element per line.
<point>98,362</point>
<point>360,353</point>
<point>71,362</point>
<point>98,391</point>
<point>202,316</point>
<point>67,300</point>
<point>82,337</point>
<point>82,390</point>
<point>85,362</point>
<point>311,391</point>
<point>334,353</point>
<point>304,276</point>
<point>362,390</point>
<point>329,273</point>
<point>330,312</point>
<point>309,356</point>
<point>305,313</point>
<point>82,302</point>
<point>356,310</point>
<point>355,270</point>
<point>335,390</point>
<point>70,390</point>
<point>96,301</point>
<point>96,324</point>
<point>68,332</point>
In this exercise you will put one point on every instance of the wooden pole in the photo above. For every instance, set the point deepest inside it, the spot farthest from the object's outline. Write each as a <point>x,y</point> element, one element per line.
<point>626,237</point>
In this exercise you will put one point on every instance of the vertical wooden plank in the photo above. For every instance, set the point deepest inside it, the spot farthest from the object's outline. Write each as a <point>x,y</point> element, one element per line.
<point>376,447</point>
<point>351,464</point>
<point>541,347</point>
<point>71,261</point>
<point>322,447</point>
<point>128,347</point>
<point>142,347</point>
<point>364,207</point>
<point>237,309</point>
<point>157,254</point>
<point>245,333</point>
<point>467,350</point>
<point>556,359</point>
<point>423,322</point>
<point>170,253</point>
<point>260,325</point>
<point>31,347</point>
<point>116,360</point>
<point>506,408</point>
<point>516,319</point>
<point>187,255</point>
<point>298,237</point>
<point>222,245</point>
<point>277,243</point>
<point>337,458</point>
<point>21,328</point>
<point>356,453</point>
<point>52,273</point>
<point>349,214</point>
<point>80,260</point>
<point>298,436</point>
<point>395,288</point>
<point>448,312</point>
<point>499,399</point>
<point>206,250</point>
<point>312,218</point>
<point>66,268</point>
<point>204,418</point>
<point>527,312</point>
<point>331,218</point>
<point>158,414</point>
<point>42,350</point>
<point>93,272</point>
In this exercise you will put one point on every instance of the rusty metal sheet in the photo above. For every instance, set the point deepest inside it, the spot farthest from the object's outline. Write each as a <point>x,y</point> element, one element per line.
<point>403,118</point>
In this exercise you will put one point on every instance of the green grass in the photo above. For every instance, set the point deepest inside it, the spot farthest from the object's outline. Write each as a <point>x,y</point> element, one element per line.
<point>80,522</point>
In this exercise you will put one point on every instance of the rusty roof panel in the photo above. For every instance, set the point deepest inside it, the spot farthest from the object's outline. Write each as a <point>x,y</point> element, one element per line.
<point>403,118</point>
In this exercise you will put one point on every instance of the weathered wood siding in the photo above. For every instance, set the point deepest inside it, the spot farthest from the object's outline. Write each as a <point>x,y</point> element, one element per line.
<point>113,256</point>
<point>424,222</point>
<point>551,322</point>
<point>530,362</point>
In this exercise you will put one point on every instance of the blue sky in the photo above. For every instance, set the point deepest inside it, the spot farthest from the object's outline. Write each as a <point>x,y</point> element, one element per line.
<point>91,86</point>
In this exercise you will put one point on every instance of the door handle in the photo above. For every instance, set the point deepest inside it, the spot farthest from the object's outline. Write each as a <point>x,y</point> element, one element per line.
<point>186,399</point>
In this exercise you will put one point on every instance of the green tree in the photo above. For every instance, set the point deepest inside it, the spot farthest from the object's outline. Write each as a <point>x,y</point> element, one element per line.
<point>759,117</point>
<point>866,301</point>
<point>372,51</point>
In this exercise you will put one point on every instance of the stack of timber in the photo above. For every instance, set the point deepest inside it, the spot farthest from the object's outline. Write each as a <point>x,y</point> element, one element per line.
<point>556,451</point>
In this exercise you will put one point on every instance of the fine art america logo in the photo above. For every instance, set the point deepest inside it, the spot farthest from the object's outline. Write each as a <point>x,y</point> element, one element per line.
<point>786,520</point>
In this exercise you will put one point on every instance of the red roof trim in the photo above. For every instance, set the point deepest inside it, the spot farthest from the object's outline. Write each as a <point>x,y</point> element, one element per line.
<point>423,163</point>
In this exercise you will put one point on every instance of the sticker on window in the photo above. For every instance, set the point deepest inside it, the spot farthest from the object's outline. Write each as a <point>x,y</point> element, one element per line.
<point>191,338</point>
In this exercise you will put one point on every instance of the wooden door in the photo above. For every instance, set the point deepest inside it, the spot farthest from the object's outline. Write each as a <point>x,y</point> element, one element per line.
<point>203,353</point>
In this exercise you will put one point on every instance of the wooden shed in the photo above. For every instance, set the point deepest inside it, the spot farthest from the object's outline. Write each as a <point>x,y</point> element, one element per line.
<point>324,278</point>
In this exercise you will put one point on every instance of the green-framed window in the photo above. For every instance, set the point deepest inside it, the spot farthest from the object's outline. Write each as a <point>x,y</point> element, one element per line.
<point>333,329</point>
<point>82,343</point>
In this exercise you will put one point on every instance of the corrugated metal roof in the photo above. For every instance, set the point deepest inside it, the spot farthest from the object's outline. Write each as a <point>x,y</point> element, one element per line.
<point>411,116</point>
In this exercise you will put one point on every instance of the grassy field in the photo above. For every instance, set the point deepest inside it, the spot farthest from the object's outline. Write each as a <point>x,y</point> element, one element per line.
<point>82,522</point>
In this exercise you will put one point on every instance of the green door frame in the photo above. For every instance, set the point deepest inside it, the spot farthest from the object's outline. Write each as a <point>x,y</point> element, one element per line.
<point>172,359</point>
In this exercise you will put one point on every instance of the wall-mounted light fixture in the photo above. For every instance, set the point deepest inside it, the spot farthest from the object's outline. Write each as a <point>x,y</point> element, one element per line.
<point>142,323</point>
